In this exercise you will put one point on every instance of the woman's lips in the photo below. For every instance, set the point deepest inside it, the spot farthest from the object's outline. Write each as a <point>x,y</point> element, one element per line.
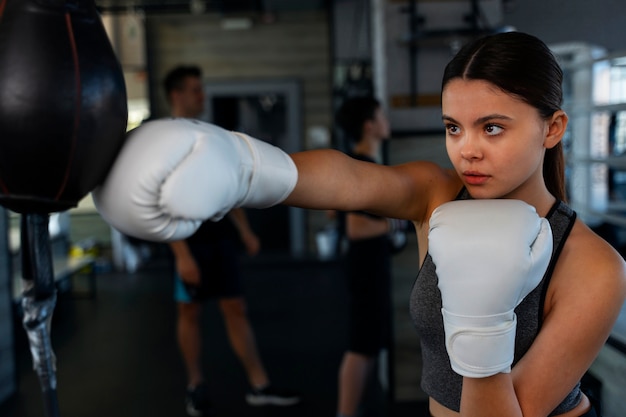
<point>475,178</point>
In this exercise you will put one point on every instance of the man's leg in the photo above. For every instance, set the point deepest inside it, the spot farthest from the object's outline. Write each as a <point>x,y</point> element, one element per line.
<point>189,341</point>
<point>242,340</point>
<point>353,376</point>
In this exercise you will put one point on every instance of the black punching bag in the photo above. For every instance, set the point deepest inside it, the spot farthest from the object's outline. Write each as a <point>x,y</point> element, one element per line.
<point>63,110</point>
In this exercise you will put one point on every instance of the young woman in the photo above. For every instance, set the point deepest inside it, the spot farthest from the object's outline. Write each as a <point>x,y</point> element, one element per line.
<point>501,98</point>
<point>515,297</point>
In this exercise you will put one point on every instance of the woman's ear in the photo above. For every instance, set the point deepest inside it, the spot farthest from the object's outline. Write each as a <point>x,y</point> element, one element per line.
<point>557,124</point>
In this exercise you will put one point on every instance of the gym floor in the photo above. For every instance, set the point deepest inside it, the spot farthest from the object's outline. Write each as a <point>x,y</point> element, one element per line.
<point>117,355</point>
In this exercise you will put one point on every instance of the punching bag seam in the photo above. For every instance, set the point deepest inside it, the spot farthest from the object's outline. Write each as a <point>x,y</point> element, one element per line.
<point>70,33</point>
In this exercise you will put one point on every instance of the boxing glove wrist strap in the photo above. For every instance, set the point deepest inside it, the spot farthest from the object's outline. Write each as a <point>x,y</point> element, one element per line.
<point>480,346</point>
<point>270,172</point>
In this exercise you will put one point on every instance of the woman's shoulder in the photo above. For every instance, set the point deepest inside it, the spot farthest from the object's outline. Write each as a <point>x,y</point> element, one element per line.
<point>589,260</point>
<point>427,167</point>
<point>586,245</point>
<point>442,183</point>
<point>426,186</point>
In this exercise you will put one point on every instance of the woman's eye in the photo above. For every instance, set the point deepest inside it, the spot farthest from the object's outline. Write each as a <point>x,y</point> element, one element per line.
<point>452,129</point>
<point>493,130</point>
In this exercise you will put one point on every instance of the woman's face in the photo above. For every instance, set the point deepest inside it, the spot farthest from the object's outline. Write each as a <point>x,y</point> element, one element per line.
<point>494,141</point>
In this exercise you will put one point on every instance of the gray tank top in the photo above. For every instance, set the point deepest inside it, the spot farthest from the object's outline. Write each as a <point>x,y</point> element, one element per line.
<point>439,381</point>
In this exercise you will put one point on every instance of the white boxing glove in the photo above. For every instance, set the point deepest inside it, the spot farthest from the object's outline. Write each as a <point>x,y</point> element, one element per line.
<point>489,255</point>
<point>173,174</point>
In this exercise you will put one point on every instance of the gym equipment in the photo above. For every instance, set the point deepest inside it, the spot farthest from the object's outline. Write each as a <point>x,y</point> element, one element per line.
<point>173,174</point>
<point>489,254</point>
<point>63,115</point>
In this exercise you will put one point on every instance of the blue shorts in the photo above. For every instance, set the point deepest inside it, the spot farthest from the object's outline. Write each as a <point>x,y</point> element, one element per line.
<point>219,272</point>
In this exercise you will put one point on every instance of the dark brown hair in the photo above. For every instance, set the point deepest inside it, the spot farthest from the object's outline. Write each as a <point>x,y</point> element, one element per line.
<point>353,114</point>
<point>523,66</point>
<point>174,80</point>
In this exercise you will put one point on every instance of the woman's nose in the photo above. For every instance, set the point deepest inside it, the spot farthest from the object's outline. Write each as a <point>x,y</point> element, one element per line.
<point>470,148</point>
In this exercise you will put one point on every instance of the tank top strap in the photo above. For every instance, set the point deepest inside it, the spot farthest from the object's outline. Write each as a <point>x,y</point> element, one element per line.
<point>562,219</point>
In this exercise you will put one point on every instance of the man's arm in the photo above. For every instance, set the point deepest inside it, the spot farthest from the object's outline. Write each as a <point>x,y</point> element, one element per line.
<point>185,263</point>
<point>249,238</point>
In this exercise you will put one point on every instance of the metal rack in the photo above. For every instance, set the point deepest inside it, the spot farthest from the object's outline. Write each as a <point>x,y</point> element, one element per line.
<point>595,144</point>
<point>471,25</point>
